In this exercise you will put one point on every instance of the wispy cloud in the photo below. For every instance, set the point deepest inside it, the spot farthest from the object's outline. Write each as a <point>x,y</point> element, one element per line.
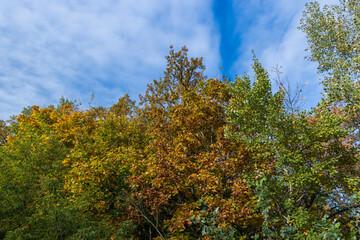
<point>74,48</point>
<point>109,47</point>
<point>270,28</point>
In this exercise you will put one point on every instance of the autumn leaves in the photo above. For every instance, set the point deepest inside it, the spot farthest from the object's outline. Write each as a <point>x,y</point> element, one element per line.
<point>197,158</point>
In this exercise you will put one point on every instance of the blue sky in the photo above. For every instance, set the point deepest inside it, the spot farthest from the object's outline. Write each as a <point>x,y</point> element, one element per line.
<point>74,48</point>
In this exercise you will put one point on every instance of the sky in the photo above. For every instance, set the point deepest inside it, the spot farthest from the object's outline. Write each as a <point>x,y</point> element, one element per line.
<point>76,48</point>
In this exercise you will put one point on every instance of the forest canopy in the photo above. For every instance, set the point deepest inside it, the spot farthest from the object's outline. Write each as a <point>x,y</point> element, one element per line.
<point>197,157</point>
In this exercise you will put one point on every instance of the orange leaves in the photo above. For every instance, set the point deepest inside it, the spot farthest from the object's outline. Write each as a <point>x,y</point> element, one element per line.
<point>187,159</point>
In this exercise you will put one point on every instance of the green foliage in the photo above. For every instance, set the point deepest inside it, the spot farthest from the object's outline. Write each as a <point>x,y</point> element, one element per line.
<point>209,226</point>
<point>333,34</point>
<point>253,109</point>
<point>300,161</point>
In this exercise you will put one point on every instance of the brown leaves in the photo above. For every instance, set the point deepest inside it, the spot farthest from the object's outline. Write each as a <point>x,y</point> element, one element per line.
<point>188,160</point>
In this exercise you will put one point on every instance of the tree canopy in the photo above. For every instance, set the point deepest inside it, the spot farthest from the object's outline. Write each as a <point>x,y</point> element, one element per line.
<point>197,157</point>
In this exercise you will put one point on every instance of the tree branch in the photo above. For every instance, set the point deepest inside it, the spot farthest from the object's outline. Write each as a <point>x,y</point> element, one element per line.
<point>342,210</point>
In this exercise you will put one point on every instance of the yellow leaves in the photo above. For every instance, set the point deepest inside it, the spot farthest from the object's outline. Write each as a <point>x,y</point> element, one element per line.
<point>67,162</point>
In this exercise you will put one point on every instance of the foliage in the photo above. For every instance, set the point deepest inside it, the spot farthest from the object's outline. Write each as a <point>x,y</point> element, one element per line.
<point>198,157</point>
<point>301,162</point>
<point>333,34</point>
<point>187,159</point>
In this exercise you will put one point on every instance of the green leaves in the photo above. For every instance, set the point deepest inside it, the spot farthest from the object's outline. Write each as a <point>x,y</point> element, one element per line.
<point>254,110</point>
<point>298,161</point>
<point>333,34</point>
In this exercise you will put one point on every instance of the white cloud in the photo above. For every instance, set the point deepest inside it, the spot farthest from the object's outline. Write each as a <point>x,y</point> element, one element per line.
<point>74,48</point>
<point>276,40</point>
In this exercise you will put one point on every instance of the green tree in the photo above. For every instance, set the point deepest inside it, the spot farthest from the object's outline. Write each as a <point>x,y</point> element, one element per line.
<point>333,34</point>
<point>334,42</point>
<point>32,177</point>
<point>299,161</point>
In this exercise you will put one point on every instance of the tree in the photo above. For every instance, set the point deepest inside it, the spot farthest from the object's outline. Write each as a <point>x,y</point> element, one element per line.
<point>333,34</point>
<point>188,169</point>
<point>4,132</point>
<point>299,161</point>
<point>198,158</point>
<point>34,200</point>
<point>32,177</point>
